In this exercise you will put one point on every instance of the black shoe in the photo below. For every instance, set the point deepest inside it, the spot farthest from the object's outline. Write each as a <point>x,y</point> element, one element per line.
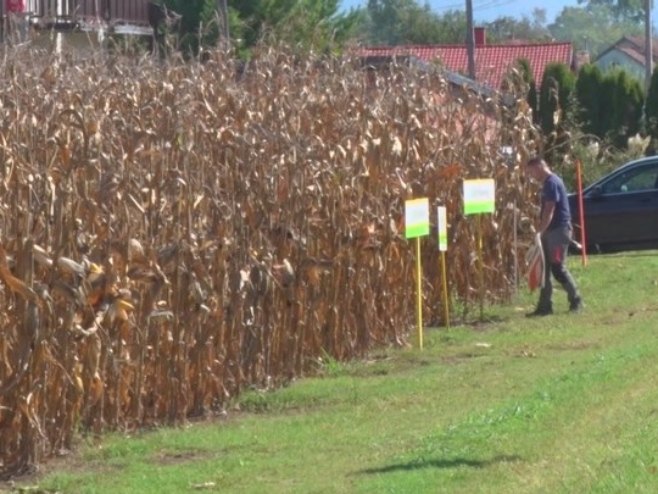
<point>576,306</point>
<point>540,312</point>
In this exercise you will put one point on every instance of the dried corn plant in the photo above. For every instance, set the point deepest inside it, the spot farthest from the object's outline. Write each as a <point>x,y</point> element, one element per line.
<point>172,233</point>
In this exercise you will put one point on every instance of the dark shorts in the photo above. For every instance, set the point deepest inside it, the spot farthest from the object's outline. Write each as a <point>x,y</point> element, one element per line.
<point>556,243</point>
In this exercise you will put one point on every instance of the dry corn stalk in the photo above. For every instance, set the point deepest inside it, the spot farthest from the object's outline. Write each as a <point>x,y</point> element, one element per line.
<point>198,229</point>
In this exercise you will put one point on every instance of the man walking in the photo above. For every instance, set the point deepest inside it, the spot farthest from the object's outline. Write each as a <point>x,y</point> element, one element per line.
<point>556,231</point>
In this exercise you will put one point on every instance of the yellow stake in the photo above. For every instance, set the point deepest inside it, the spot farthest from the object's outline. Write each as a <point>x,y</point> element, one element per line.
<point>419,289</point>
<point>481,266</point>
<point>445,288</point>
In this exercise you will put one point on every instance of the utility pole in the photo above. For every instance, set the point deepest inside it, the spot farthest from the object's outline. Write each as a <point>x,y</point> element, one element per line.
<point>470,39</point>
<point>648,49</point>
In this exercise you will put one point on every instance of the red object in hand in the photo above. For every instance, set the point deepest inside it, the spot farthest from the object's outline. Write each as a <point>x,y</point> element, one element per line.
<point>15,6</point>
<point>536,266</point>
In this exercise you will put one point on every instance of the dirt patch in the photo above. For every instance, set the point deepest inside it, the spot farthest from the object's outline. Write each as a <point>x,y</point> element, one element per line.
<point>461,358</point>
<point>177,457</point>
<point>573,346</point>
<point>485,325</point>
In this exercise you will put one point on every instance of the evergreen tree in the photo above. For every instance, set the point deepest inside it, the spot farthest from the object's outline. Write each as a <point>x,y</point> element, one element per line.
<point>557,89</point>
<point>533,101</point>
<point>651,108</point>
<point>635,108</point>
<point>588,94</point>
<point>197,25</point>
<point>608,102</point>
<point>529,79</point>
<point>620,107</point>
<point>628,107</point>
<point>312,24</point>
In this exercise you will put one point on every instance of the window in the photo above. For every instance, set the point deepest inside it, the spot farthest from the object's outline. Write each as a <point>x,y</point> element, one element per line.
<point>636,180</point>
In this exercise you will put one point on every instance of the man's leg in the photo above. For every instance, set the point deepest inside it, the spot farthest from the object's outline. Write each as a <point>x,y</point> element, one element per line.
<point>545,303</point>
<point>558,246</point>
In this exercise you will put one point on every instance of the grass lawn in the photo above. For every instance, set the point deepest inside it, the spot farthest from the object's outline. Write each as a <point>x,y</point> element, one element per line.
<point>566,403</point>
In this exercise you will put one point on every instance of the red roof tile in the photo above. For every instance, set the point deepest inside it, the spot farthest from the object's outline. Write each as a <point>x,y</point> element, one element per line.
<point>491,61</point>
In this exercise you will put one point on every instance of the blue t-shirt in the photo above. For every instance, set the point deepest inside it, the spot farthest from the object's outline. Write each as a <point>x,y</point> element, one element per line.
<point>554,190</point>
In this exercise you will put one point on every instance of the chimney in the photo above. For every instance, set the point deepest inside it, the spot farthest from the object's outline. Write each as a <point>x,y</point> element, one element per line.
<point>480,34</point>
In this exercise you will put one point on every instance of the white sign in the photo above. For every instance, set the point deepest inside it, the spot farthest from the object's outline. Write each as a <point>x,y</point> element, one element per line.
<point>417,218</point>
<point>479,196</point>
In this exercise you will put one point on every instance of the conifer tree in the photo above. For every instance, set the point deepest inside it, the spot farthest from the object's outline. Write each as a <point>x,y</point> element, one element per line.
<point>588,94</point>
<point>651,108</point>
<point>557,89</point>
<point>529,79</point>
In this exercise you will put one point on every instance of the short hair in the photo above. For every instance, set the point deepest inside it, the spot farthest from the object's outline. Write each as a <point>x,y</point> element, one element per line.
<point>537,160</point>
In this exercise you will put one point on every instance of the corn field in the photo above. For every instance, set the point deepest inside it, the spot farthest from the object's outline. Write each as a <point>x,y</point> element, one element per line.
<point>175,232</point>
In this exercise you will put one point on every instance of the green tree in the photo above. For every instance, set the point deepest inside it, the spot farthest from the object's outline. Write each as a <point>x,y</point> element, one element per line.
<point>592,28</point>
<point>533,101</point>
<point>651,107</point>
<point>509,28</point>
<point>632,10</point>
<point>397,22</point>
<point>628,100</point>
<point>528,78</point>
<point>311,24</point>
<point>451,28</point>
<point>197,25</point>
<point>620,107</point>
<point>588,94</point>
<point>557,88</point>
<point>609,105</point>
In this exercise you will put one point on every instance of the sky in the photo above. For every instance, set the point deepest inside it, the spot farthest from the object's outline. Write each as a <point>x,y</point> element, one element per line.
<point>488,10</point>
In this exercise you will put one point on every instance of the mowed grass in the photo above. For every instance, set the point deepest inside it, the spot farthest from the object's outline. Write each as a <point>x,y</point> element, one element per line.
<point>567,403</point>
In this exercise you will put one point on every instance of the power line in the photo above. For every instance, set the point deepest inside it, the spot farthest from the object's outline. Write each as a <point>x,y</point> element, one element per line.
<point>455,6</point>
<point>487,4</point>
<point>493,4</point>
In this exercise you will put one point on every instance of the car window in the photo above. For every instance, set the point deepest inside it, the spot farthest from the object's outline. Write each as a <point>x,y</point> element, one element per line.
<point>637,180</point>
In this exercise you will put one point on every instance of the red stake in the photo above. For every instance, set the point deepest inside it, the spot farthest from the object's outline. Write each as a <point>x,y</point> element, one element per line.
<point>581,207</point>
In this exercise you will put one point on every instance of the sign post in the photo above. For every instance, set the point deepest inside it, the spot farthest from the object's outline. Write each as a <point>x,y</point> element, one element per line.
<point>443,247</point>
<point>480,198</point>
<point>417,225</point>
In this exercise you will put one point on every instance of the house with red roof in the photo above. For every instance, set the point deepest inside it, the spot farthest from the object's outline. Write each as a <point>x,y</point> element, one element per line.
<point>628,54</point>
<point>492,61</point>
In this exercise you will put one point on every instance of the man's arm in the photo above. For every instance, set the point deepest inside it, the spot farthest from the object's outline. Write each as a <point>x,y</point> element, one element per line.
<point>546,216</point>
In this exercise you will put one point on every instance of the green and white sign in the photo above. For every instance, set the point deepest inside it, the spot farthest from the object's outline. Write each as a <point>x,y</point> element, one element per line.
<point>479,196</point>
<point>417,218</point>
<point>443,228</point>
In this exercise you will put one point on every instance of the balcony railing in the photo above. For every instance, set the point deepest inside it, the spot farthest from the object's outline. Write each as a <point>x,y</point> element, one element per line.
<point>109,11</point>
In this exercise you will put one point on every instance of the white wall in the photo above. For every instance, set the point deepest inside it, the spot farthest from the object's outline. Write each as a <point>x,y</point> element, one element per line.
<point>616,58</point>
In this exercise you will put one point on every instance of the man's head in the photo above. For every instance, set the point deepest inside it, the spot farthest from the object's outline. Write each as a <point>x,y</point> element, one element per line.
<point>537,168</point>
